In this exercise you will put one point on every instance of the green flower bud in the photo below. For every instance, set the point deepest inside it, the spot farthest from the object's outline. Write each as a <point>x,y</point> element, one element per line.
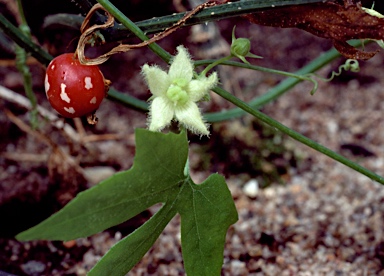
<point>240,47</point>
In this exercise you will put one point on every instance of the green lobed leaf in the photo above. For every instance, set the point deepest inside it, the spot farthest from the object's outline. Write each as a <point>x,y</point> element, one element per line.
<point>157,168</point>
<point>123,256</point>
<point>206,210</point>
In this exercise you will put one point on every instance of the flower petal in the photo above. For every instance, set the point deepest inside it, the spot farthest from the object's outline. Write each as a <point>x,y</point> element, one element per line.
<point>181,65</point>
<point>161,113</point>
<point>200,87</point>
<point>156,79</point>
<point>190,117</point>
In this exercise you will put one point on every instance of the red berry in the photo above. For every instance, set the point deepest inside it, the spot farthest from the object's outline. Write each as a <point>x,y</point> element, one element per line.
<point>73,89</point>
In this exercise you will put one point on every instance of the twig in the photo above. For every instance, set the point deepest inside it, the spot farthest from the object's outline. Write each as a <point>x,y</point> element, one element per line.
<point>76,136</point>
<point>27,129</point>
<point>59,162</point>
<point>25,157</point>
<point>16,98</point>
<point>102,137</point>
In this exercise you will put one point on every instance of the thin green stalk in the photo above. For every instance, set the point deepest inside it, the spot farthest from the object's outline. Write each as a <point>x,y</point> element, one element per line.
<point>214,63</point>
<point>127,100</point>
<point>208,14</point>
<point>152,25</point>
<point>23,41</point>
<point>22,17</point>
<point>21,63</point>
<point>297,136</point>
<point>155,25</point>
<point>279,89</point>
<point>257,102</point>
<point>164,55</point>
<point>225,61</point>
<point>231,9</point>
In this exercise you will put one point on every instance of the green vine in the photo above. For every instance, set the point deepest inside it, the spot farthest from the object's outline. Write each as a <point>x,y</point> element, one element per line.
<point>24,41</point>
<point>21,64</point>
<point>297,136</point>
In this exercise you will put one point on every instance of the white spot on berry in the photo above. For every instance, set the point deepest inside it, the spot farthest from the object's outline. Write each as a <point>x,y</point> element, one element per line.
<point>63,94</point>
<point>88,83</point>
<point>70,110</point>
<point>46,84</point>
<point>53,67</point>
<point>93,100</point>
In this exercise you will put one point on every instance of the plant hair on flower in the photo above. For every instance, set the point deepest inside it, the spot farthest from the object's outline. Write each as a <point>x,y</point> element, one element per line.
<point>175,94</point>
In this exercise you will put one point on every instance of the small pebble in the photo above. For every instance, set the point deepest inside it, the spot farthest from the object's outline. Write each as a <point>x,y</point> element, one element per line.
<point>251,188</point>
<point>33,268</point>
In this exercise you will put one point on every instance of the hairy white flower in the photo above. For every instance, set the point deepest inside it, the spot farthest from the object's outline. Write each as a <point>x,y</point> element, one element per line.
<point>175,94</point>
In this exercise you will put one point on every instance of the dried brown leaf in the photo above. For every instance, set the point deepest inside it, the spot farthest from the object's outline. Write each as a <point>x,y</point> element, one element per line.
<point>327,20</point>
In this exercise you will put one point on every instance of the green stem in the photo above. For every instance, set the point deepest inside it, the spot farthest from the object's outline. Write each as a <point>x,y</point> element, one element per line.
<point>257,102</point>
<point>213,64</point>
<point>22,17</point>
<point>279,89</point>
<point>21,63</point>
<point>151,25</point>
<point>23,41</point>
<point>225,61</point>
<point>21,59</point>
<point>297,136</point>
<point>154,25</point>
<point>231,9</point>
<point>164,55</point>
<point>127,100</point>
